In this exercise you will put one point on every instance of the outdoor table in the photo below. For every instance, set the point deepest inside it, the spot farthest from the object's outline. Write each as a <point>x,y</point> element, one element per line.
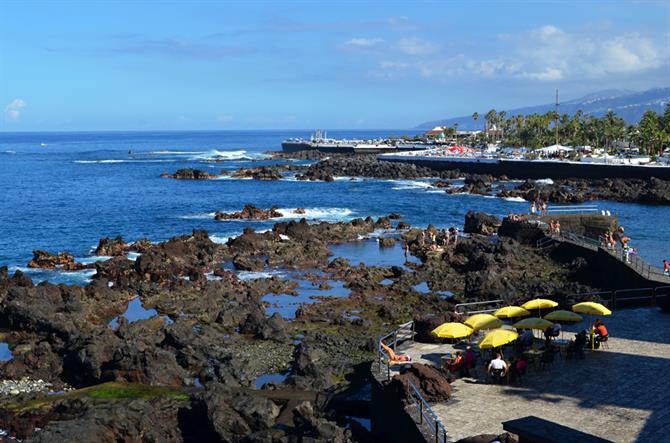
<point>562,345</point>
<point>533,356</point>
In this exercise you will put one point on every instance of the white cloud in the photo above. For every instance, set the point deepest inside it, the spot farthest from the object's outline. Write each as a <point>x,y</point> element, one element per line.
<point>14,108</point>
<point>416,46</point>
<point>544,54</point>
<point>548,74</point>
<point>364,42</point>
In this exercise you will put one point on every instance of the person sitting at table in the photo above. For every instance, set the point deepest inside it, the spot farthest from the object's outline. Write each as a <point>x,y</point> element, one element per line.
<point>456,365</point>
<point>526,339</point>
<point>576,346</point>
<point>518,367</point>
<point>498,368</point>
<point>600,332</point>
<point>469,360</point>
<point>552,332</point>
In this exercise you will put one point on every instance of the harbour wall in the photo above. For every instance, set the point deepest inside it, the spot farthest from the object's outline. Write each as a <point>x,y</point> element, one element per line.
<point>527,169</point>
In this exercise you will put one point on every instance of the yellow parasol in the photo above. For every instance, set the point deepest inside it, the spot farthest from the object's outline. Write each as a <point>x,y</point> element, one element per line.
<point>511,312</point>
<point>533,323</point>
<point>564,316</point>
<point>452,330</point>
<point>497,338</point>
<point>592,308</point>
<point>539,303</point>
<point>483,321</point>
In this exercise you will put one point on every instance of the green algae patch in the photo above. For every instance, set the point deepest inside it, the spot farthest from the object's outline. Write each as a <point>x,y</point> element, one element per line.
<point>113,390</point>
<point>106,391</point>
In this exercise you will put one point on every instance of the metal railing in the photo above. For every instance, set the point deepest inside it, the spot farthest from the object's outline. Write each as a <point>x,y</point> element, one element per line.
<point>633,260</point>
<point>585,209</point>
<point>427,416</point>
<point>402,333</point>
<point>477,303</point>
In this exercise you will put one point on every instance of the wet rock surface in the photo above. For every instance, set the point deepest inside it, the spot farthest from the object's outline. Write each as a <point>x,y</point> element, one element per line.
<point>189,174</point>
<point>269,172</point>
<point>62,260</point>
<point>651,191</point>
<point>249,212</point>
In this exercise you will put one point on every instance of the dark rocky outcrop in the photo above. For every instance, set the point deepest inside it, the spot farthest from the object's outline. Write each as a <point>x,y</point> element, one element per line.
<point>432,383</point>
<point>249,212</point>
<point>481,223</point>
<point>424,325</point>
<point>189,174</point>
<point>62,260</point>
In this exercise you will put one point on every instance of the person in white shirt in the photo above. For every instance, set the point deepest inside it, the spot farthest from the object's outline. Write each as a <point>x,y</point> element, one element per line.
<point>498,368</point>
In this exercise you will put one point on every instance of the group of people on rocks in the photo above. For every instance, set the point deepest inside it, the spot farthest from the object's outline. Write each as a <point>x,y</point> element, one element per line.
<point>538,207</point>
<point>436,239</point>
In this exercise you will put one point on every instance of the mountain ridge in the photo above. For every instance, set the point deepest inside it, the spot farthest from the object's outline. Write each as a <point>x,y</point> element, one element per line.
<point>627,104</point>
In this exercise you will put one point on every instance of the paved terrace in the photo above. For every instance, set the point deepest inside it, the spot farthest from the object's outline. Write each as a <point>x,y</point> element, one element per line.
<point>621,393</point>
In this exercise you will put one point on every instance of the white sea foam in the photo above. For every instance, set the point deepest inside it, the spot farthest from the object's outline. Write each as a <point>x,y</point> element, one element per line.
<point>545,181</point>
<point>514,199</point>
<point>215,154</point>
<point>132,256</point>
<point>94,259</point>
<point>317,213</point>
<point>435,191</point>
<point>10,151</point>
<point>90,162</point>
<point>170,152</point>
<point>113,161</point>
<point>219,239</point>
<point>284,237</point>
<point>199,216</point>
<point>410,184</point>
<point>249,275</point>
<point>327,214</point>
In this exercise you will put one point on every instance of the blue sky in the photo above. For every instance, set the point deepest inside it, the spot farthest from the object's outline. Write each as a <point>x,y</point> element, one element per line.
<point>269,64</point>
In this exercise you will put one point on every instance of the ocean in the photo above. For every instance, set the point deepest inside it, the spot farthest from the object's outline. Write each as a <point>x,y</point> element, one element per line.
<point>64,191</point>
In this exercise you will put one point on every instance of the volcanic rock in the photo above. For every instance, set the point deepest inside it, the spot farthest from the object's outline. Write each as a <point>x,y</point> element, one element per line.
<point>189,174</point>
<point>249,212</point>
<point>112,247</point>
<point>481,223</point>
<point>62,260</point>
<point>432,383</point>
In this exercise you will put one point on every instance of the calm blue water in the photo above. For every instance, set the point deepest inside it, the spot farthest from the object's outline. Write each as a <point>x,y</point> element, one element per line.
<point>63,191</point>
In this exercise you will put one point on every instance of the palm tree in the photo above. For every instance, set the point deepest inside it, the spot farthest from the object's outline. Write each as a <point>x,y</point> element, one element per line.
<point>475,117</point>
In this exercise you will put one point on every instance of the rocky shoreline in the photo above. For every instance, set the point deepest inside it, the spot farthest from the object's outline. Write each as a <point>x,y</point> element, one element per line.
<point>211,338</point>
<point>326,167</point>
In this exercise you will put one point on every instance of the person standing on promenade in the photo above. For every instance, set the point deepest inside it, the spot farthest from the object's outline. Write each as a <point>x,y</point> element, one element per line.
<point>666,267</point>
<point>533,209</point>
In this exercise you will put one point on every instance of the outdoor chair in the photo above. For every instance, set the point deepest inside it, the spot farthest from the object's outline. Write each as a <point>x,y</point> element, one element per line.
<point>547,358</point>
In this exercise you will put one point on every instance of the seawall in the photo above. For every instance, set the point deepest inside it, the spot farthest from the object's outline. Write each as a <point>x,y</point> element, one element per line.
<point>526,169</point>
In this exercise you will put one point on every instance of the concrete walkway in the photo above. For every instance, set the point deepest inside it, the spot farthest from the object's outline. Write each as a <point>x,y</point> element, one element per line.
<point>621,393</point>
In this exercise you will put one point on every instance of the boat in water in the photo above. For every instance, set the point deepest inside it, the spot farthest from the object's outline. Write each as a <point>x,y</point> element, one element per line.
<point>319,141</point>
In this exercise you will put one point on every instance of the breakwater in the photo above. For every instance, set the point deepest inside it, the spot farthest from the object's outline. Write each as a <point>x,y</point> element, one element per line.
<point>533,169</point>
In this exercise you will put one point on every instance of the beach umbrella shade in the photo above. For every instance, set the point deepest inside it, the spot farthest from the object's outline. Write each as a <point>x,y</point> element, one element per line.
<point>533,323</point>
<point>452,330</point>
<point>483,321</point>
<point>511,312</point>
<point>591,308</point>
<point>497,338</point>
<point>564,316</point>
<point>539,303</point>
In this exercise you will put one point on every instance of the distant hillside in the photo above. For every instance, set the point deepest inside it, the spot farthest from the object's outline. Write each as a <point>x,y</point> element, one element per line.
<point>629,105</point>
